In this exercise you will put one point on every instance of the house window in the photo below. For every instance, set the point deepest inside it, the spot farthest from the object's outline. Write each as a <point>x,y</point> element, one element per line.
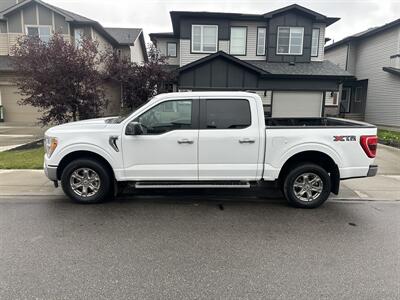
<point>42,32</point>
<point>290,40</point>
<point>171,49</point>
<point>204,38</point>
<point>261,40</point>
<point>315,42</point>
<point>238,40</point>
<point>78,37</point>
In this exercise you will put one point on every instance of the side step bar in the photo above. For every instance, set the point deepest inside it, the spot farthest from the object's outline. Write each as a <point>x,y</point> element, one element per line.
<point>191,185</point>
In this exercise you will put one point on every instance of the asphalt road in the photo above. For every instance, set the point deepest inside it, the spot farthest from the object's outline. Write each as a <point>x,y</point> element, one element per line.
<point>180,247</point>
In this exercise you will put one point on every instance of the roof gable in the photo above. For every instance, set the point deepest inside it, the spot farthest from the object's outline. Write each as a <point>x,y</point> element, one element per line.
<point>303,10</point>
<point>221,54</point>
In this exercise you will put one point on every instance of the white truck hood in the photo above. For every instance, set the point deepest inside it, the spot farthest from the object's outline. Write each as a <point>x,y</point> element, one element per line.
<point>85,125</point>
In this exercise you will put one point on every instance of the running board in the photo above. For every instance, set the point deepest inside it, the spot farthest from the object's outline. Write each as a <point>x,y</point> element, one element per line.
<point>191,185</point>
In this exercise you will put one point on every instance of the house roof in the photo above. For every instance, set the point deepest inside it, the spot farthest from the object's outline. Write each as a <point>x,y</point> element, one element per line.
<point>161,35</point>
<point>69,17</point>
<point>315,69</point>
<point>124,36</point>
<point>177,15</point>
<point>363,34</point>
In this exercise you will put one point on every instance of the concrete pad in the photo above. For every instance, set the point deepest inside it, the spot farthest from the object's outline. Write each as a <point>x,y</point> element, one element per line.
<point>381,187</point>
<point>388,160</point>
<point>26,182</point>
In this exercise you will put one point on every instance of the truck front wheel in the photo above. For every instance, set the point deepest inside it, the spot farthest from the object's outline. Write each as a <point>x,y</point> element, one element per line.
<point>86,181</point>
<point>307,186</point>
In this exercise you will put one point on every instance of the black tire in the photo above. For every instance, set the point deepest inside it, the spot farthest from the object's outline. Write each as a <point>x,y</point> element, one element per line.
<point>103,188</point>
<point>294,181</point>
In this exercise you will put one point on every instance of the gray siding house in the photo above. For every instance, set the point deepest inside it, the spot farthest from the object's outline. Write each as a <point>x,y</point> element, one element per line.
<point>373,58</point>
<point>37,18</point>
<point>279,55</point>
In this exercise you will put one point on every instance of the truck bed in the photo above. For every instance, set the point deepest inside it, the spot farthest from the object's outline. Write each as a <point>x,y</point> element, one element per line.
<point>314,123</point>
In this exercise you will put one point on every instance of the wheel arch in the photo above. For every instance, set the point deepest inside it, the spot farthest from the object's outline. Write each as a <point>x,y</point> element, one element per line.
<point>82,154</point>
<point>318,158</point>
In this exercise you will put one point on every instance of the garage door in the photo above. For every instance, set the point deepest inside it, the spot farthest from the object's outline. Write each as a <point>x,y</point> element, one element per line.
<point>13,112</point>
<point>296,104</point>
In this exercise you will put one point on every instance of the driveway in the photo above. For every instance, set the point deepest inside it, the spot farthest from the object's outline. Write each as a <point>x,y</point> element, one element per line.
<point>12,135</point>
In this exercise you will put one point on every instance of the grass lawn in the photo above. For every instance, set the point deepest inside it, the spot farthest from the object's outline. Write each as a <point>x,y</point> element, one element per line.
<point>388,137</point>
<point>22,159</point>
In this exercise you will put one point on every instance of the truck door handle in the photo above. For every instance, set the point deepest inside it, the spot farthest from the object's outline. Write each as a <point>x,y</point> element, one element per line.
<point>247,141</point>
<point>185,141</point>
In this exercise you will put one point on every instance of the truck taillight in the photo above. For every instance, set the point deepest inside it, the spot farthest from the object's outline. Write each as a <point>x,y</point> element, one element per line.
<point>369,143</point>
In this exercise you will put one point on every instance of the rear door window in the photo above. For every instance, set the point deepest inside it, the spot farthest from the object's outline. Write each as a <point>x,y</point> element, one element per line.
<point>226,114</point>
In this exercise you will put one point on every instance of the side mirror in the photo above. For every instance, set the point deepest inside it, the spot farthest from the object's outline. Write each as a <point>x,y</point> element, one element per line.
<point>134,128</point>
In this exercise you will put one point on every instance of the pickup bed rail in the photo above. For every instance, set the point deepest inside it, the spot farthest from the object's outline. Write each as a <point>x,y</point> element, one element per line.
<point>314,122</point>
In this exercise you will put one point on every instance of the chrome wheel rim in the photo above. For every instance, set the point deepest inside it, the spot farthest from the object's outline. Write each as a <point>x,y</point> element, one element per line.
<point>85,182</point>
<point>308,187</point>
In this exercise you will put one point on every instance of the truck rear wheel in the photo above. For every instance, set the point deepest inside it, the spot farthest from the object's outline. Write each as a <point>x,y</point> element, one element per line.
<point>307,186</point>
<point>86,181</point>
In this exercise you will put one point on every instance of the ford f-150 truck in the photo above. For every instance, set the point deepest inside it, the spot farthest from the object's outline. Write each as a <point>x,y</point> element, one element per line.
<point>209,140</point>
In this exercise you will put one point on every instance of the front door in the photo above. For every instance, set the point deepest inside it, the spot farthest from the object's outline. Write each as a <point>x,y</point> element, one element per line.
<point>345,100</point>
<point>168,147</point>
<point>229,139</point>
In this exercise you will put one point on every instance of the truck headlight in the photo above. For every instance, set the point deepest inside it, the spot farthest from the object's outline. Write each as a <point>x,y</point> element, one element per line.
<point>50,144</point>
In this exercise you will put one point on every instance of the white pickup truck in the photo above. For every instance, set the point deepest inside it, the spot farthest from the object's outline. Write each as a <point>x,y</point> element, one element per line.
<point>209,140</point>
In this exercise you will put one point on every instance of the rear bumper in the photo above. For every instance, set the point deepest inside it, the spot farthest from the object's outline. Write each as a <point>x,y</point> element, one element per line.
<point>373,169</point>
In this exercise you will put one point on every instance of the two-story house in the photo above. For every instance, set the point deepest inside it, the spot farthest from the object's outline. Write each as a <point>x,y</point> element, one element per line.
<point>37,18</point>
<point>279,55</point>
<point>373,57</point>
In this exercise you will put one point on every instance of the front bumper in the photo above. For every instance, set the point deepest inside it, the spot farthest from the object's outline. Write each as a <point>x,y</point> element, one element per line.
<point>373,169</point>
<point>50,171</point>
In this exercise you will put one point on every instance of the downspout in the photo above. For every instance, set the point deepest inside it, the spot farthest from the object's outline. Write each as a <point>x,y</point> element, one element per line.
<point>347,55</point>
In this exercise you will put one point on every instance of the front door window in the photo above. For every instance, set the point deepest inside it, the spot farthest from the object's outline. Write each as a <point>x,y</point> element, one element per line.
<point>167,116</point>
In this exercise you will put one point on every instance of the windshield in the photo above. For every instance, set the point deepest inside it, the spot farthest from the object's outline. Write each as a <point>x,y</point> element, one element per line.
<point>119,119</point>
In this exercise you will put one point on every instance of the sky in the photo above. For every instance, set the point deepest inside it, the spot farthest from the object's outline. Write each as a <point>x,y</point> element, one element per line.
<point>153,15</point>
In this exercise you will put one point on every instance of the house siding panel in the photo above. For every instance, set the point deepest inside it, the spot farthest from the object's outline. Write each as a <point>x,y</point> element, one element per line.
<point>61,26</point>
<point>45,17</point>
<point>338,56</point>
<point>187,57</point>
<point>251,47</point>
<point>14,22</point>
<point>3,44</point>
<point>186,27</point>
<point>137,53</point>
<point>162,47</point>
<point>383,96</point>
<point>29,13</point>
<point>3,27</point>
<point>289,19</point>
